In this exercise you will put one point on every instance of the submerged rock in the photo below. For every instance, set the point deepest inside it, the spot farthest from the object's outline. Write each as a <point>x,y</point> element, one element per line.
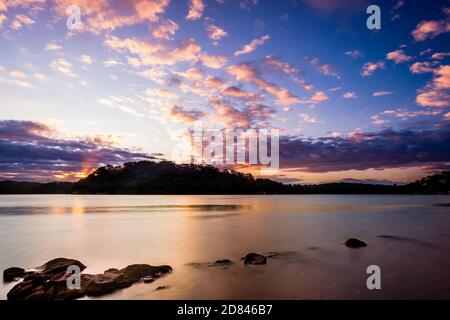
<point>355,243</point>
<point>11,274</point>
<point>162,288</point>
<point>222,263</point>
<point>254,258</point>
<point>49,282</point>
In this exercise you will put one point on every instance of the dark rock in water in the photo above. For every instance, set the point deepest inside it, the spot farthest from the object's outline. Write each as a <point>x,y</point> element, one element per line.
<point>60,265</point>
<point>222,263</point>
<point>355,243</point>
<point>162,288</point>
<point>254,258</point>
<point>12,273</point>
<point>50,281</point>
<point>148,279</point>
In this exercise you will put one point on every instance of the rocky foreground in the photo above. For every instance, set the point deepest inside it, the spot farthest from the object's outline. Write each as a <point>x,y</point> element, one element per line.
<point>49,281</point>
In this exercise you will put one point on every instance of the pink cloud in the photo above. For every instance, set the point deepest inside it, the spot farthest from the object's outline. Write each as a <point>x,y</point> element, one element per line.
<point>421,67</point>
<point>166,30</point>
<point>252,46</point>
<point>179,114</point>
<point>430,29</point>
<point>349,95</point>
<point>398,56</point>
<point>215,33</point>
<point>370,67</point>
<point>196,8</point>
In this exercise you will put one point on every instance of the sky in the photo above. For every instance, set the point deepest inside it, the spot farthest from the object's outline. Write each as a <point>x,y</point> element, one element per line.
<point>352,104</point>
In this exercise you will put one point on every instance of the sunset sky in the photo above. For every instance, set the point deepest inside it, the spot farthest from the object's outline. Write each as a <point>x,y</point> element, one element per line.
<point>351,103</point>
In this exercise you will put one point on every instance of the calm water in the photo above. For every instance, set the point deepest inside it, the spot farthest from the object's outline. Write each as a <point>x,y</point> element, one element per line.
<point>306,231</point>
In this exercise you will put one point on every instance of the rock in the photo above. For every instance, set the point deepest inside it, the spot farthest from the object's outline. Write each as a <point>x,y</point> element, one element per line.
<point>50,281</point>
<point>119,279</point>
<point>11,274</point>
<point>148,279</point>
<point>254,258</point>
<point>60,265</point>
<point>355,243</point>
<point>162,288</point>
<point>222,263</point>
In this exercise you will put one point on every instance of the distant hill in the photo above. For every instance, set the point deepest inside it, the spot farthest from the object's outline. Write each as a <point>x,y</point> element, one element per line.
<point>165,177</point>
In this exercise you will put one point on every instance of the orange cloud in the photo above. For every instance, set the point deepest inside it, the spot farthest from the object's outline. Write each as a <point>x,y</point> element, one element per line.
<point>437,92</point>
<point>398,56</point>
<point>319,96</point>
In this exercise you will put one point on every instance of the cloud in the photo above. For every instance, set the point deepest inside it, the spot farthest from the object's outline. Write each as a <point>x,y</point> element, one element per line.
<point>63,66</point>
<point>196,8</point>
<point>381,93</point>
<point>388,148</point>
<point>21,20</point>
<point>214,83</point>
<point>215,33</point>
<point>161,93</point>
<point>252,46</point>
<point>40,76</point>
<point>19,83</point>
<point>179,114</point>
<point>32,150</point>
<point>349,95</point>
<point>279,65</point>
<point>154,53</point>
<point>447,116</point>
<point>437,92</point>
<point>165,30</point>
<point>402,114</point>
<point>236,92</point>
<point>319,96</point>
<point>101,15</point>
<point>430,29</point>
<point>86,59</point>
<point>214,62</point>
<point>17,74</point>
<point>111,63</point>
<point>440,55</point>
<point>421,67</point>
<point>246,72</point>
<point>231,116</point>
<point>307,118</point>
<point>122,104</point>
<point>3,18</point>
<point>398,56</point>
<point>52,46</point>
<point>324,68</point>
<point>354,54</point>
<point>370,67</point>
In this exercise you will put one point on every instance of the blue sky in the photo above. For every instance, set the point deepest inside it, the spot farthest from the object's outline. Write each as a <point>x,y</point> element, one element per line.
<point>138,73</point>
